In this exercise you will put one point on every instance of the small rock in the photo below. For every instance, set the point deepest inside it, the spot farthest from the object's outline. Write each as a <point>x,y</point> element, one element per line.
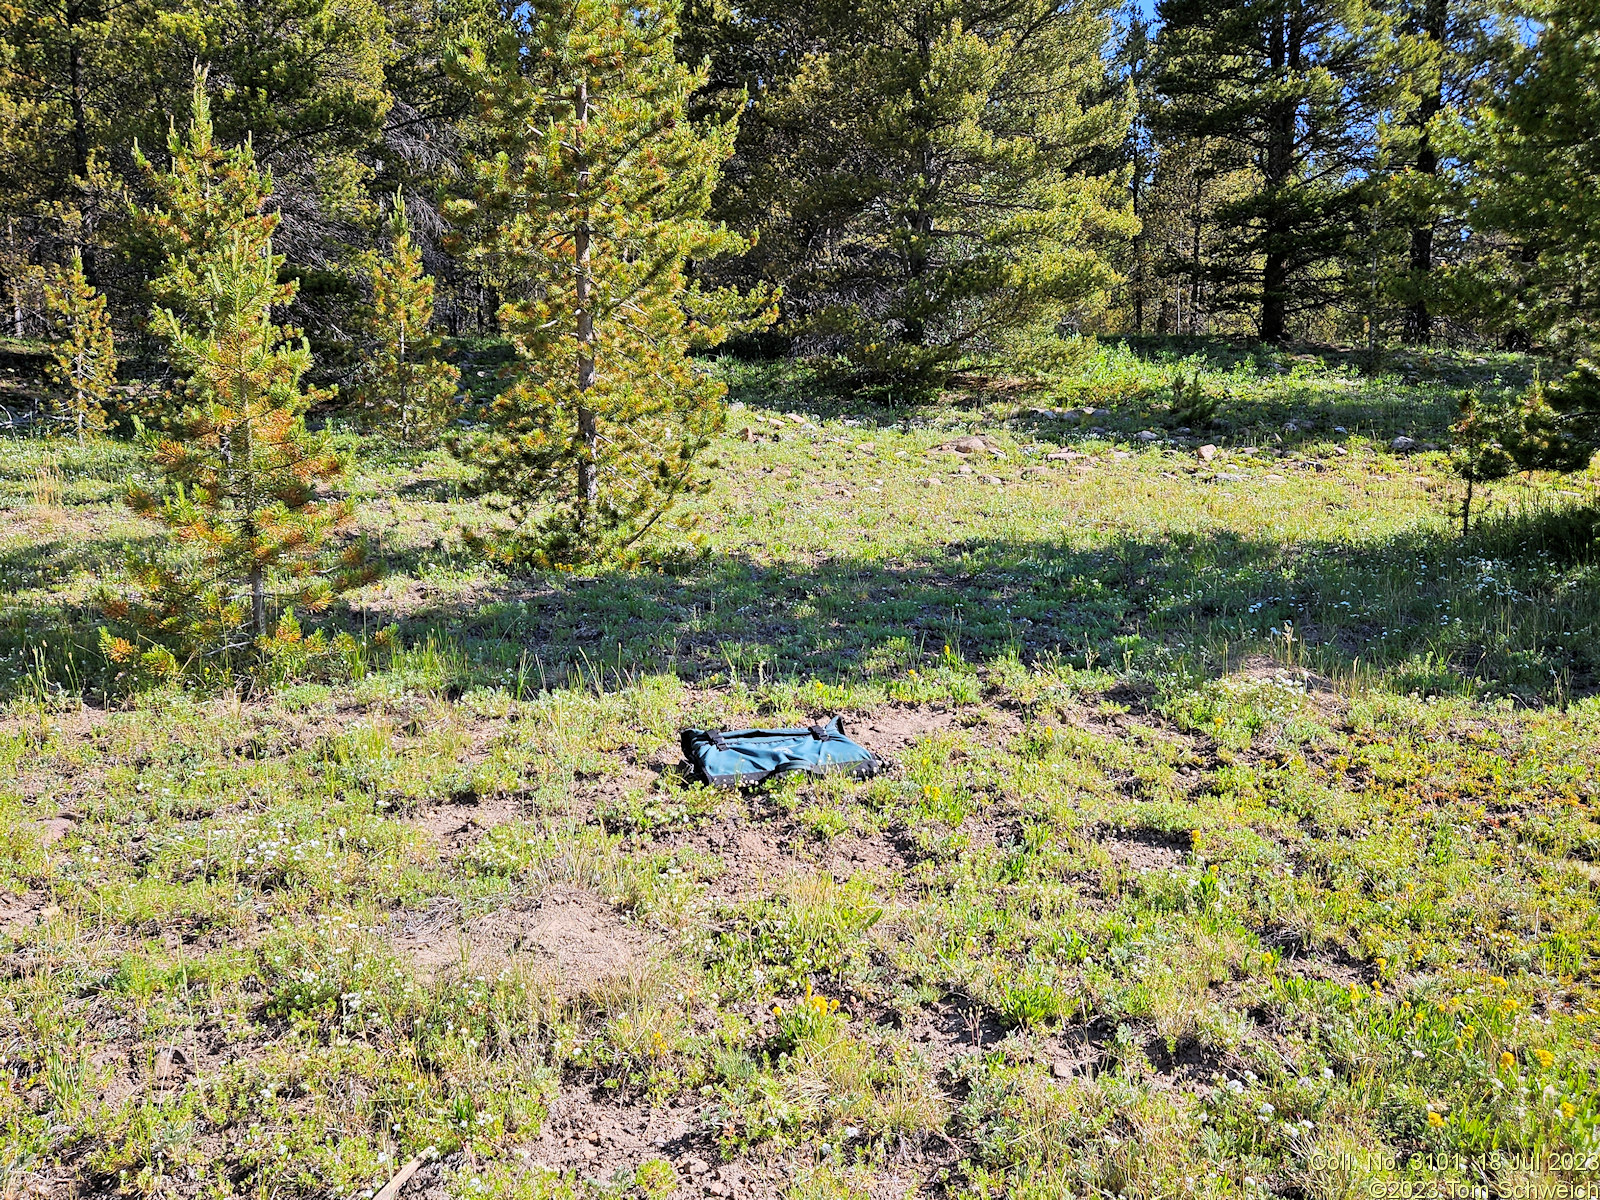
<point>967,445</point>
<point>698,1166</point>
<point>1061,1069</point>
<point>932,481</point>
<point>1206,453</point>
<point>1270,478</point>
<point>964,469</point>
<point>796,418</point>
<point>867,448</point>
<point>1231,477</point>
<point>1402,443</point>
<point>718,1188</point>
<point>1099,412</point>
<point>993,480</point>
<point>1120,454</point>
<point>1341,452</point>
<point>1429,446</point>
<point>1148,435</point>
<point>748,434</point>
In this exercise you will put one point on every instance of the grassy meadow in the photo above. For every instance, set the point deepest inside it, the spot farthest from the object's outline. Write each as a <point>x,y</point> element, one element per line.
<point>1239,837</point>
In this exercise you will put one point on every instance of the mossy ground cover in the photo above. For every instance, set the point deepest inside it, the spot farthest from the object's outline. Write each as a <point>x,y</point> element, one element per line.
<point>1239,837</point>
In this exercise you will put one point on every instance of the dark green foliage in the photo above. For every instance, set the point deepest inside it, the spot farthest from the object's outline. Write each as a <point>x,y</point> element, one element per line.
<point>1535,150</point>
<point>1192,403</point>
<point>1549,427</point>
<point>1285,88</point>
<point>931,181</point>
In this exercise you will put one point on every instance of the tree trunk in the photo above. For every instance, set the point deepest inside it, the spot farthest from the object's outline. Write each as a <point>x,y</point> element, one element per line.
<point>1283,51</point>
<point>403,379</point>
<point>80,116</point>
<point>1138,248</point>
<point>921,218</point>
<point>1274,307</point>
<point>1194,257</point>
<point>14,281</point>
<point>1418,320</point>
<point>80,138</point>
<point>588,435</point>
<point>258,602</point>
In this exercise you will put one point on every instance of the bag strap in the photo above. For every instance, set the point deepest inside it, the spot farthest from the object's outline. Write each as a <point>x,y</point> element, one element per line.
<point>820,732</point>
<point>717,740</point>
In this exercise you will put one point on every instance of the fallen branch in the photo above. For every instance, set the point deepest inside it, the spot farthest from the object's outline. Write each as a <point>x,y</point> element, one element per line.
<point>392,1189</point>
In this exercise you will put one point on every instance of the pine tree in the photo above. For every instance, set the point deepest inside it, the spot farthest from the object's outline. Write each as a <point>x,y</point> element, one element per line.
<point>1549,427</point>
<point>407,386</point>
<point>208,199</point>
<point>1443,60</point>
<point>1188,263</point>
<point>1287,86</point>
<point>590,212</point>
<point>241,469</point>
<point>1534,149</point>
<point>83,366</point>
<point>934,179</point>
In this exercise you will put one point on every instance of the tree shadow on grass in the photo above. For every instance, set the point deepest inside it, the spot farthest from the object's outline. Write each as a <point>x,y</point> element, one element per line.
<point>1514,609</point>
<point>1503,612</point>
<point>1415,393</point>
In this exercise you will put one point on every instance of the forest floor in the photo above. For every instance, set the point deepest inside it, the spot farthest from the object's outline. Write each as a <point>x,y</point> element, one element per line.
<point>1238,836</point>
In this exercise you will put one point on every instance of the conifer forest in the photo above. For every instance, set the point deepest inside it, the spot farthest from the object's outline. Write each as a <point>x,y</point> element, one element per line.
<point>1136,461</point>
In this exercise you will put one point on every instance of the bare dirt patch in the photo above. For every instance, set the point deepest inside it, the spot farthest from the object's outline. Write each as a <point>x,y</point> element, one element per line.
<point>850,854</point>
<point>754,855</point>
<point>454,827</point>
<point>1146,852</point>
<point>572,937</point>
<point>590,1135</point>
<point>19,912</point>
<point>954,1027</point>
<point>889,731</point>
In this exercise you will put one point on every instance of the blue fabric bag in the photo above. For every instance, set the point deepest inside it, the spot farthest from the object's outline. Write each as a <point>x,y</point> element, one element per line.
<point>745,757</point>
